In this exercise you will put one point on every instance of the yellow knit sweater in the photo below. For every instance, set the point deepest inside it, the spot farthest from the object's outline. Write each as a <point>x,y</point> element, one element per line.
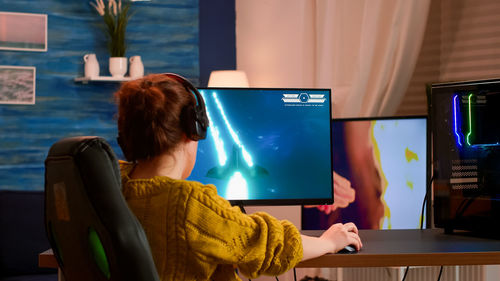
<point>195,234</point>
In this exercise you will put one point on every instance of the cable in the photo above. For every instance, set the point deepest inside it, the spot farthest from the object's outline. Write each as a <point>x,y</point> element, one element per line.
<point>422,216</point>
<point>422,212</point>
<point>422,224</point>
<point>422,221</point>
<point>242,208</point>
<point>425,201</point>
<point>440,271</point>
<point>406,272</point>
<point>294,274</point>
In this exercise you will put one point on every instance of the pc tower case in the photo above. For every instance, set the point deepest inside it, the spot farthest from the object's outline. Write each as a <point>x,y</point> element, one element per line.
<point>465,131</point>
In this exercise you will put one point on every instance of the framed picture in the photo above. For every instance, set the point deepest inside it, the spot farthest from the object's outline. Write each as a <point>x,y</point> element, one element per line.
<point>17,84</point>
<point>23,32</point>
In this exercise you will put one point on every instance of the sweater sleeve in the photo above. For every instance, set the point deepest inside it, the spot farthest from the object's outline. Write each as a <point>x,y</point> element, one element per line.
<point>257,244</point>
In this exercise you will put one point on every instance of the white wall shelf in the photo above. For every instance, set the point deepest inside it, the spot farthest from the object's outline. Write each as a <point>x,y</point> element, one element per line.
<point>86,80</point>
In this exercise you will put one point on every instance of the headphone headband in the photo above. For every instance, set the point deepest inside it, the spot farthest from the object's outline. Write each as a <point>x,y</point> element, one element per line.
<point>189,87</point>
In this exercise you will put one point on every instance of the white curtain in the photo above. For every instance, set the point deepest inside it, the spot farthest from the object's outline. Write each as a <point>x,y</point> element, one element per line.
<point>364,50</point>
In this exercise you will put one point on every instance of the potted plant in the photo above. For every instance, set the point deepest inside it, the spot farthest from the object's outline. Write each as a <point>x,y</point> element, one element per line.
<point>115,17</point>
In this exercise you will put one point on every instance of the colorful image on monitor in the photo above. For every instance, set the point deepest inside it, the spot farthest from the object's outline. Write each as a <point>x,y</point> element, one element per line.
<point>267,146</point>
<point>379,173</point>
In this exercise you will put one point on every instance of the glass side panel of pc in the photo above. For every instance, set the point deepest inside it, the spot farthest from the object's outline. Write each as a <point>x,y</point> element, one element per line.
<point>267,146</point>
<point>384,160</point>
<point>465,122</point>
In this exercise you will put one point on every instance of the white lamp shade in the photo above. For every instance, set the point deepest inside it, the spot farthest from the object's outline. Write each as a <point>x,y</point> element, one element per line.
<point>228,78</point>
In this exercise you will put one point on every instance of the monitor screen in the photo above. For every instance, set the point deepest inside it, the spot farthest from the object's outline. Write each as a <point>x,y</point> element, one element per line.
<point>379,172</point>
<point>267,146</point>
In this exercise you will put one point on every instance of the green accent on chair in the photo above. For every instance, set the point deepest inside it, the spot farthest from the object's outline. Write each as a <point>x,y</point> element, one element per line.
<point>98,252</point>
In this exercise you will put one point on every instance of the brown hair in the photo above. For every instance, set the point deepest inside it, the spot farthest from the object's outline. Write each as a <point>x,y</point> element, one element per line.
<point>149,115</point>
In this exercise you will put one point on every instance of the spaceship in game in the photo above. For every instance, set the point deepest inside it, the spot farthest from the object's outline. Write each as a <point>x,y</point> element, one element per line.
<point>236,163</point>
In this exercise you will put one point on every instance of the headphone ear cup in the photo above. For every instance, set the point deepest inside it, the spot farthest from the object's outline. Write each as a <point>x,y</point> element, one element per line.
<point>201,123</point>
<point>188,119</point>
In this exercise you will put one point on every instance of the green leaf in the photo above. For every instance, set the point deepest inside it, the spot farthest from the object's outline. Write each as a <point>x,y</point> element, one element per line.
<point>115,27</point>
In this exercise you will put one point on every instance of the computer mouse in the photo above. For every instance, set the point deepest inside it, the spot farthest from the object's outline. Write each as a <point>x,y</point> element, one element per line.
<point>349,249</point>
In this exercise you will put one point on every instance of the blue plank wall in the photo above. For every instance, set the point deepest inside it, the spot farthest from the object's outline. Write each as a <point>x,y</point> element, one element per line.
<point>163,32</point>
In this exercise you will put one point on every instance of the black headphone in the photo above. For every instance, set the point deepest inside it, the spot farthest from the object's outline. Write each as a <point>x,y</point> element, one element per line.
<point>194,118</point>
<point>196,123</point>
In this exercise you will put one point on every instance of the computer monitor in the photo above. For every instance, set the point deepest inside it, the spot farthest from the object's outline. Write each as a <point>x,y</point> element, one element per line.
<point>384,160</point>
<point>267,146</point>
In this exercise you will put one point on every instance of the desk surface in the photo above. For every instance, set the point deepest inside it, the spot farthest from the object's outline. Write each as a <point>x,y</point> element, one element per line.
<point>46,259</point>
<point>428,247</point>
<point>385,248</point>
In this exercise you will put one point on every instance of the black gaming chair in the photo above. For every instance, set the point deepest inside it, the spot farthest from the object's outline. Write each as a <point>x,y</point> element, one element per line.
<point>93,233</point>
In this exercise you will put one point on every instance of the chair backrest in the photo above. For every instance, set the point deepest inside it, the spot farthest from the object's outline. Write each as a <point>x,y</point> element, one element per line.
<point>93,233</point>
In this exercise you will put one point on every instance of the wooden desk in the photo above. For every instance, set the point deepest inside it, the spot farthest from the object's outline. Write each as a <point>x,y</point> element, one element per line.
<point>46,259</point>
<point>429,247</point>
<point>386,248</point>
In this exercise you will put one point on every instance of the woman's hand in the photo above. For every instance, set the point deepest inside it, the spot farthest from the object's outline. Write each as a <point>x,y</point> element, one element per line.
<point>332,240</point>
<point>340,235</point>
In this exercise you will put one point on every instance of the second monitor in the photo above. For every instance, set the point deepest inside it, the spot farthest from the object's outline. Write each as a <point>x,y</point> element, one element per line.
<point>267,146</point>
<point>384,162</point>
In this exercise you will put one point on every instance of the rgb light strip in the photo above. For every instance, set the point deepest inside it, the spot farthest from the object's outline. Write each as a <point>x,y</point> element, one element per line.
<point>470,118</point>
<point>456,119</point>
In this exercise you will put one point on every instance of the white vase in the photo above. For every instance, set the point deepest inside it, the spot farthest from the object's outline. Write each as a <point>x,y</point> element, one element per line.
<point>118,66</point>
<point>91,68</point>
<point>136,67</point>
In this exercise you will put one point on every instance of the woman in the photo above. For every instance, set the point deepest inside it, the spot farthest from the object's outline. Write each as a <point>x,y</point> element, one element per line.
<point>195,234</point>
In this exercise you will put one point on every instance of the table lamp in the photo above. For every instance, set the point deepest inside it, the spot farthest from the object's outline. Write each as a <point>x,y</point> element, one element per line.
<point>228,78</point>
